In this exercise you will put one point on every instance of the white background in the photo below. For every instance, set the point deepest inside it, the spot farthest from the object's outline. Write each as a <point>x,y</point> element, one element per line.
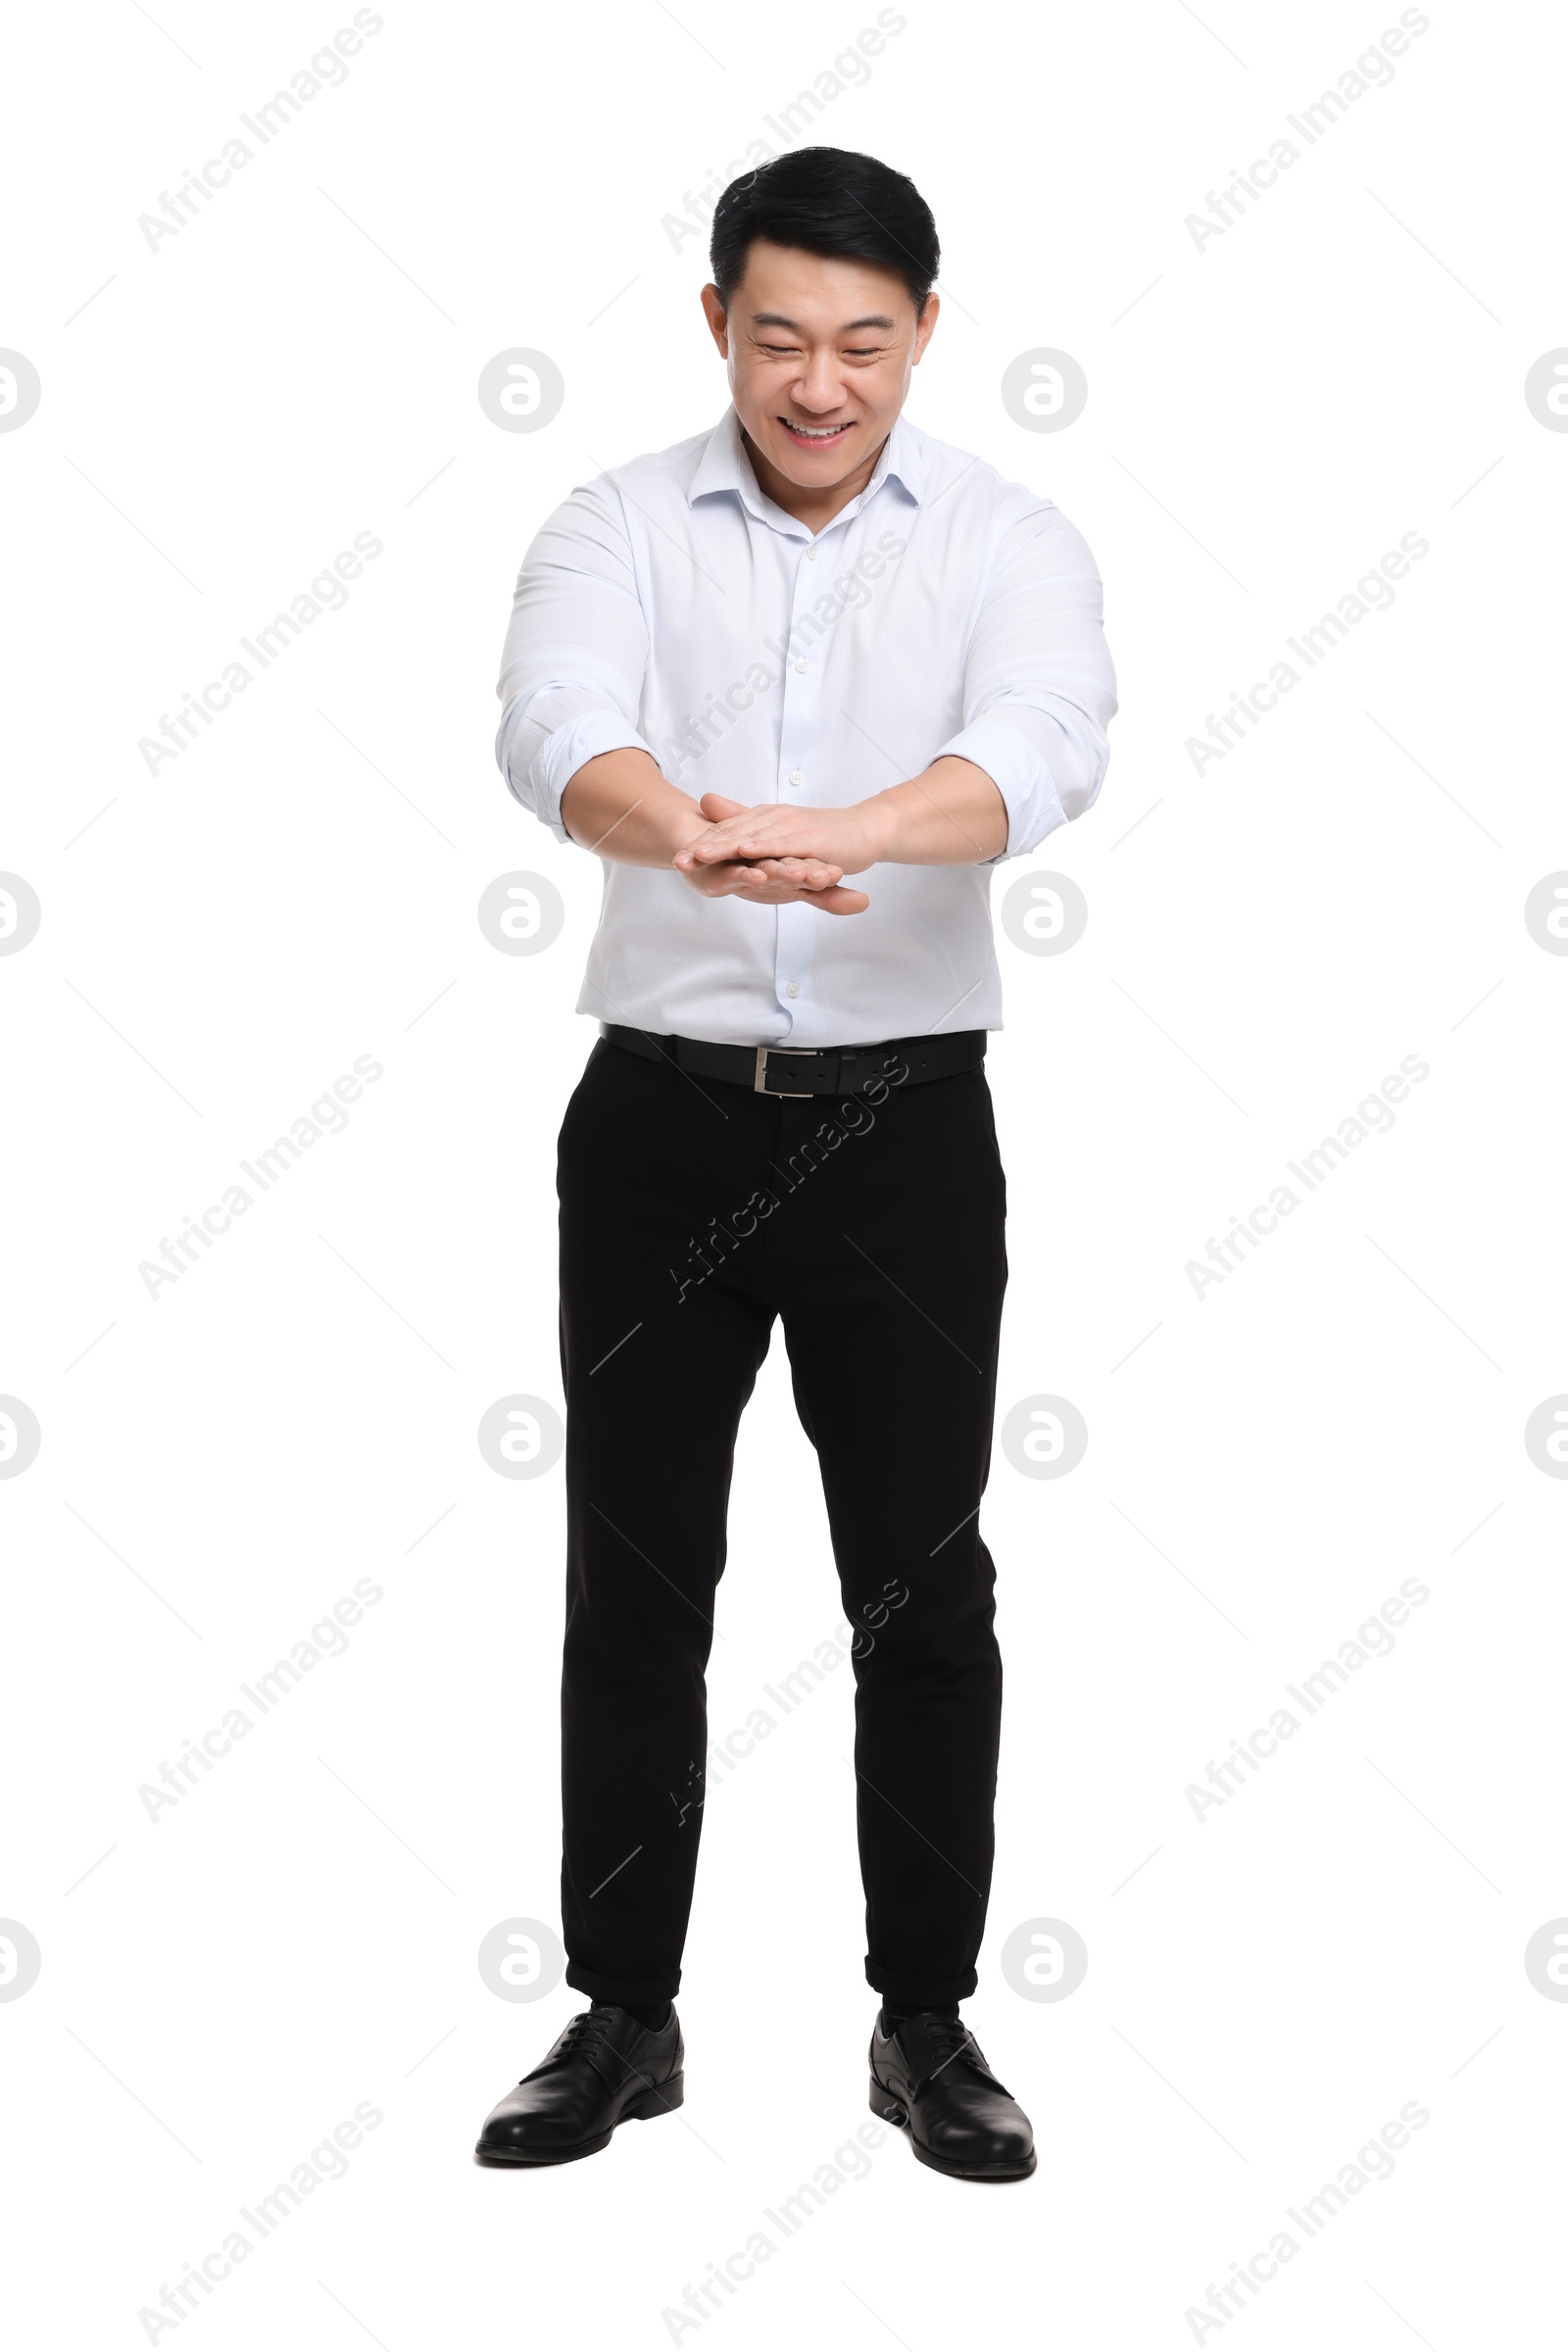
<point>1265,1464</point>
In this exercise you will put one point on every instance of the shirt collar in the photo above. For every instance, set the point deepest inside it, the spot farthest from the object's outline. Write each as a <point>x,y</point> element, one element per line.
<point>725,465</point>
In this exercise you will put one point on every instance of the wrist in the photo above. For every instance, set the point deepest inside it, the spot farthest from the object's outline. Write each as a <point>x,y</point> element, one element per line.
<point>879,816</point>
<point>685,825</point>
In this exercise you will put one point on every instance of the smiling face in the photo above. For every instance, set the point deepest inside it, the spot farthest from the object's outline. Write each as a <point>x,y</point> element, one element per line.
<point>819,355</point>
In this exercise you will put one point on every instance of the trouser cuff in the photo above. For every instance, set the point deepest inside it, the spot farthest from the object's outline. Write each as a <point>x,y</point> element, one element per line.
<point>635,1992</point>
<point>920,1992</point>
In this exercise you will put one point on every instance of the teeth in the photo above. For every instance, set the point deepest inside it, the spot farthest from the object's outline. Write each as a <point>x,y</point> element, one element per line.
<point>815,432</point>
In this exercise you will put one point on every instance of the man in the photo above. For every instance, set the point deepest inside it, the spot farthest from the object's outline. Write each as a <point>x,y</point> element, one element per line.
<point>800,682</point>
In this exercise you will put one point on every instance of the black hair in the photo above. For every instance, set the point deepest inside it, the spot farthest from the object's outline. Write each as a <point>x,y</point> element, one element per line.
<point>827,200</point>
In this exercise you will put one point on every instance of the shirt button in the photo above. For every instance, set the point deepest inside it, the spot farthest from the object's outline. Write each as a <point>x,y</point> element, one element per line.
<point>811,554</point>
<point>796,776</point>
<point>802,663</point>
<point>794,988</point>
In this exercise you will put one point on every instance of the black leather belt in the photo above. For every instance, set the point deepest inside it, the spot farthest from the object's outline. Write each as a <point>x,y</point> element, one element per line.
<point>810,1070</point>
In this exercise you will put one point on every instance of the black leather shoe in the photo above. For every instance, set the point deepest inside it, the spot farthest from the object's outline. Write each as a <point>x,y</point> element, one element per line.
<point>931,2074</point>
<point>604,2069</point>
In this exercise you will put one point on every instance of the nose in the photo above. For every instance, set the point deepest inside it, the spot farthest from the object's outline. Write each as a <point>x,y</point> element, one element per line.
<point>818,388</point>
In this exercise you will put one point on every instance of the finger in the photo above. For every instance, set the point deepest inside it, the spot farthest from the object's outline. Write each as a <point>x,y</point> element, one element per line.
<point>835,900</point>
<point>714,805</point>
<point>797,861</point>
<point>704,850</point>
<point>724,843</point>
<point>814,872</point>
<point>832,901</point>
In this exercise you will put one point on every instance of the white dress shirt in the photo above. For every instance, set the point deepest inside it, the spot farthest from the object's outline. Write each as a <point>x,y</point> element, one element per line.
<point>670,606</point>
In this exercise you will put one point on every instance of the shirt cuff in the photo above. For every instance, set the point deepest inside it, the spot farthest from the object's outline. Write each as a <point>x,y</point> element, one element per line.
<point>1020,773</point>
<point>570,747</point>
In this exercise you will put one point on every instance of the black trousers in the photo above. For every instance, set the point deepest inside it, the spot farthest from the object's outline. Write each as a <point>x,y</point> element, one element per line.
<point>692,1212</point>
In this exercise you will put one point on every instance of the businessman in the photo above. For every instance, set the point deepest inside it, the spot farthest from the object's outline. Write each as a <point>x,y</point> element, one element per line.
<point>799,684</point>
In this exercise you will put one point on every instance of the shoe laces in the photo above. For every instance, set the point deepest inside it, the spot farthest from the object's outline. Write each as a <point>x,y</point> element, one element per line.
<point>587,2033</point>
<point>948,2038</point>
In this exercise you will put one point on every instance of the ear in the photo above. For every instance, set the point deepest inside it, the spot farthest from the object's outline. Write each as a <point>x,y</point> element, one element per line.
<point>924,326</point>
<point>717,323</point>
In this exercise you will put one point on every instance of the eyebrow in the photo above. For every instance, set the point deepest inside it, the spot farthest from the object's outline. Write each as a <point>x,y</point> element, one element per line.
<point>777,319</point>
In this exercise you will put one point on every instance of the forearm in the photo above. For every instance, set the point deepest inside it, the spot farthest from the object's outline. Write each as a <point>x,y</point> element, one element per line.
<point>619,807</point>
<point>951,815</point>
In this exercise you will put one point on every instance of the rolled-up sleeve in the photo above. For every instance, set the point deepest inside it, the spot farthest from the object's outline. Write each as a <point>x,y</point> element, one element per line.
<point>1039,686</point>
<point>576,650</point>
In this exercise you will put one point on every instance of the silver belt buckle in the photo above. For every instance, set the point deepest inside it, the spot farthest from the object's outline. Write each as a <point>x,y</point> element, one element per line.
<point>780,1094</point>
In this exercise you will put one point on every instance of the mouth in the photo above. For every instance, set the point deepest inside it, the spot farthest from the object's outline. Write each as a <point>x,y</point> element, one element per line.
<point>816,436</point>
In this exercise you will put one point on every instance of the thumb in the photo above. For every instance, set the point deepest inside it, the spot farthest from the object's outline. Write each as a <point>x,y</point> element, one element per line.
<point>714,805</point>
